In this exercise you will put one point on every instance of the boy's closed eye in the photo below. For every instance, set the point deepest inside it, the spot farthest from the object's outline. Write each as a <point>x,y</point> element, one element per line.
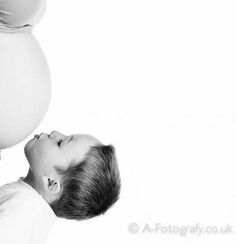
<point>59,142</point>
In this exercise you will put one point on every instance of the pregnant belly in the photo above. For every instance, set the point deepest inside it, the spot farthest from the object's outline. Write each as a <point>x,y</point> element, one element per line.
<point>25,87</point>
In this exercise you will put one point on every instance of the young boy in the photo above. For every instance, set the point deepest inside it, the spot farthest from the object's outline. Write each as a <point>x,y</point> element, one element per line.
<point>73,177</point>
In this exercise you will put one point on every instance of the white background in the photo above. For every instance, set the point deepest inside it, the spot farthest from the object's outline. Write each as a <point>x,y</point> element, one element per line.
<point>157,80</point>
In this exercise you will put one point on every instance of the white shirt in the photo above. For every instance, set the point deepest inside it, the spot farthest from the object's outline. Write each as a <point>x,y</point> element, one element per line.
<point>20,15</point>
<point>25,216</point>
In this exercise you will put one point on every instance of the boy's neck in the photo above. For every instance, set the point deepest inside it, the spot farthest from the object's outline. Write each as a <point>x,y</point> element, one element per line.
<point>30,179</point>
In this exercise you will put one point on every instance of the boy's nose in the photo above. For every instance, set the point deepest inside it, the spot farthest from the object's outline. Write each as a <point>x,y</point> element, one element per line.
<point>43,135</point>
<point>55,133</point>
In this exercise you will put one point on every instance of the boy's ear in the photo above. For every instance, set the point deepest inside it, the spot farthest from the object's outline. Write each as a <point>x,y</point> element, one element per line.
<point>51,185</point>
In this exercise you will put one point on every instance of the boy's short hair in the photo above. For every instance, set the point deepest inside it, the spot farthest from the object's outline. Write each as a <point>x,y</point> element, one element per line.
<point>90,187</point>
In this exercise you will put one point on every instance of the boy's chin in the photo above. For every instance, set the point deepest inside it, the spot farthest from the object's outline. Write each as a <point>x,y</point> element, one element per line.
<point>27,147</point>
<point>29,143</point>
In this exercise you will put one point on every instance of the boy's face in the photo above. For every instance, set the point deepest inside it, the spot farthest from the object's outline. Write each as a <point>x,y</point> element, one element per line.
<point>44,151</point>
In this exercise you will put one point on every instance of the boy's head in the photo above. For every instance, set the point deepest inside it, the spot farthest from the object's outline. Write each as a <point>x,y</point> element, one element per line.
<point>77,175</point>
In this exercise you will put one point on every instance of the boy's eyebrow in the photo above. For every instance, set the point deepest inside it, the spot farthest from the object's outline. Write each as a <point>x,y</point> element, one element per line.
<point>71,138</point>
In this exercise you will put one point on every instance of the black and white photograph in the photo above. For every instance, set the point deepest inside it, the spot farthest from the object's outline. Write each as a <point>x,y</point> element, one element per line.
<point>117,122</point>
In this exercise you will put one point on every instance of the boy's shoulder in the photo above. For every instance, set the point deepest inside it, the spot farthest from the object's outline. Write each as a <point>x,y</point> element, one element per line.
<point>16,195</point>
<point>17,213</point>
<point>24,214</point>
